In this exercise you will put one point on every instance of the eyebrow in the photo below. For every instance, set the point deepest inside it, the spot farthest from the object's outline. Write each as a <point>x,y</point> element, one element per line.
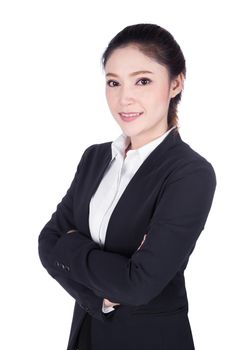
<point>131,74</point>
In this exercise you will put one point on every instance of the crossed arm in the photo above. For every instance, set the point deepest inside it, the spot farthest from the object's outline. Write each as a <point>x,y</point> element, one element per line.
<point>176,224</point>
<point>107,304</point>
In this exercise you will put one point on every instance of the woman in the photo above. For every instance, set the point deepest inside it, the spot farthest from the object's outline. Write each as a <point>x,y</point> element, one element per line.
<point>120,239</point>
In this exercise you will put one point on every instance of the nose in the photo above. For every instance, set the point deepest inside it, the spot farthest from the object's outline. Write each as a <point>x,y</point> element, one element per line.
<point>126,95</point>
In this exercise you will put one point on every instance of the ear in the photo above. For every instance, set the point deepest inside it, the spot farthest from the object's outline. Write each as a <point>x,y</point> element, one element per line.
<point>177,85</point>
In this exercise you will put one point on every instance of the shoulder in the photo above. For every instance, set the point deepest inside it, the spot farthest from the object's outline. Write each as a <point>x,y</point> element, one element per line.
<point>188,161</point>
<point>98,148</point>
<point>96,152</point>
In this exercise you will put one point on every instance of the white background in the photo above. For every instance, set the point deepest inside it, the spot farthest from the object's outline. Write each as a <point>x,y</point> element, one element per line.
<point>53,106</point>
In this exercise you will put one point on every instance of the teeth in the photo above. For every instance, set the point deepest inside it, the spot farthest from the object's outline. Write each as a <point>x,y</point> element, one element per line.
<point>130,114</point>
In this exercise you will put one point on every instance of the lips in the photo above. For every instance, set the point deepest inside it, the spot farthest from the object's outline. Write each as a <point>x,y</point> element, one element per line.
<point>130,114</point>
<point>129,117</point>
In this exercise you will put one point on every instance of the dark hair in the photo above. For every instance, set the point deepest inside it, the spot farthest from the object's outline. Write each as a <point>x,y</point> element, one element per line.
<point>158,44</point>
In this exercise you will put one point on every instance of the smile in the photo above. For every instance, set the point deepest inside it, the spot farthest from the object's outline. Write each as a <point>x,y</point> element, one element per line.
<point>130,116</point>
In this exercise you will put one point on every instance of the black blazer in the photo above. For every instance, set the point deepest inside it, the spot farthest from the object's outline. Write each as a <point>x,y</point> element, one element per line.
<point>168,198</point>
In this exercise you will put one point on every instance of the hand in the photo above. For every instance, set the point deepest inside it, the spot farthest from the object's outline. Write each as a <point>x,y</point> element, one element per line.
<point>142,241</point>
<point>109,303</point>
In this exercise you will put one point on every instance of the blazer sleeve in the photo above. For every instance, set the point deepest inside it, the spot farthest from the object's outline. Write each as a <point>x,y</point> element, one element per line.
<point>62,221</point>
<point>178,219</point>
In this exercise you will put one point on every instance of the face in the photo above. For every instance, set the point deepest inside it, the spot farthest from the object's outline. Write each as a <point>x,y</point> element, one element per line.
<point>136,83</point>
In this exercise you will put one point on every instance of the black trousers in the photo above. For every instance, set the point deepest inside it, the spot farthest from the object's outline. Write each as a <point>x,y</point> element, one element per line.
<point>84,339</point>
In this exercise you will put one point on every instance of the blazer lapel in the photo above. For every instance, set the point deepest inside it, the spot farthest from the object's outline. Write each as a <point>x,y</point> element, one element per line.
<point>136,183</point>
<point>139,187</point>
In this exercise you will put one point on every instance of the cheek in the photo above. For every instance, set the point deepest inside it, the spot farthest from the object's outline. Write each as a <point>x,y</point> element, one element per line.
<point>160,97</point>
<point>111,97</point>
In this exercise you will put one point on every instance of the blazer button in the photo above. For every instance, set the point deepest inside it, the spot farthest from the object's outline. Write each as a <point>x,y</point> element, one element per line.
<point>67,268</point>
<point>63,266</point>
<point>57,263</point>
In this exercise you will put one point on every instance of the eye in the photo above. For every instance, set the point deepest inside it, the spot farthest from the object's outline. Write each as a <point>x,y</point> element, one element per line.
<point>111,81</point>
<point>144,79</point>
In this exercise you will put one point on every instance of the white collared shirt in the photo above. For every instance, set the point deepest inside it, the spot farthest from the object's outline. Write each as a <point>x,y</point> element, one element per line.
<point>115,179</point>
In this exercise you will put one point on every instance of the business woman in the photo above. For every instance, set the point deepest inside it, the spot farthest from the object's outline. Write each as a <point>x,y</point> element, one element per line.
<point>121,237</point>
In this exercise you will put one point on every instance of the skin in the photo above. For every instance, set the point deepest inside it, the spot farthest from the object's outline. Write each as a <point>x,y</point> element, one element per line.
<point>148,92</point>
<point>144,92</point>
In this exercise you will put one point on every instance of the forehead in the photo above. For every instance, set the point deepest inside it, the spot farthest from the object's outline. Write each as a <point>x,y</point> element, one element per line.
<point>130,60</point>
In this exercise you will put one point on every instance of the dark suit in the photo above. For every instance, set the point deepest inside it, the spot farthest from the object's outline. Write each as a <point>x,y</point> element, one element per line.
<point>169,198</point>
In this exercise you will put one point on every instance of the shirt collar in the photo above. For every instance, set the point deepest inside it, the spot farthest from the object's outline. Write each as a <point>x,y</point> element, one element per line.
<point>120,144</point>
